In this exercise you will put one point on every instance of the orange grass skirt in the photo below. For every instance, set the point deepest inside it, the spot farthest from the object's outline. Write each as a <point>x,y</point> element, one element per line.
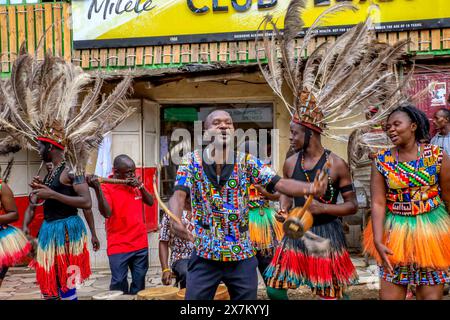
<point>422,240</point>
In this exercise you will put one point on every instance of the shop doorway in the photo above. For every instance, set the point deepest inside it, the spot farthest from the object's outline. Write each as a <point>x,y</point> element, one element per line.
<point>257,116</point>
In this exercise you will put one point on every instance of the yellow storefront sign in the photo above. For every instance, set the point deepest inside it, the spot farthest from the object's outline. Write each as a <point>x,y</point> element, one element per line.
<point>122,23</point>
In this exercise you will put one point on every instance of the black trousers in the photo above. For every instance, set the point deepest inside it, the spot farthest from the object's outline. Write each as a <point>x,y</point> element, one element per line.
<point>263,262</point>
<point>180,268</point>
<point>3,272</point>
<point>137,262</point>
<point>204,276</point>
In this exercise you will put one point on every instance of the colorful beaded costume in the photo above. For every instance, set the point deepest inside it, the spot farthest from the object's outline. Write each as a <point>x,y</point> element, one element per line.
<point>417,225</point>
<point>293,265</point>
<point>14,245</point>
<point>265,231</point>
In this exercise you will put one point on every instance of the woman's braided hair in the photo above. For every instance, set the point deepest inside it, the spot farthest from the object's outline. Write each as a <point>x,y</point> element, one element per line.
<point>419,118</point>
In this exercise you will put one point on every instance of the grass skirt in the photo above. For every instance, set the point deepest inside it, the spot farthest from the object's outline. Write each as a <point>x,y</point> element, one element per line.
<point>293,266</point>
<point>265,231</point>
<point>421,247</point>
<point>14,246</point>
<point>62,256</point>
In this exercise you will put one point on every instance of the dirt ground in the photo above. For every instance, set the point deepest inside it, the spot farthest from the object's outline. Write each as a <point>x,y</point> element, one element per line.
<point>20,284</point>
<point>354,293</point>
<point>357,292</point>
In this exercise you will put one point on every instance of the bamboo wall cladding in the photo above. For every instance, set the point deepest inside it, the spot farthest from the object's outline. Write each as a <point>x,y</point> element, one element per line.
<point>239,52</point>
<point>47,25</point>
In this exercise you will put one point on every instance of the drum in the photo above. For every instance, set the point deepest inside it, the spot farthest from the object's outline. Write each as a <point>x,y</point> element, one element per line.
<point>109,295</point>
<point>298,223</point>
<point>221,293</point>
<point>158,293</point>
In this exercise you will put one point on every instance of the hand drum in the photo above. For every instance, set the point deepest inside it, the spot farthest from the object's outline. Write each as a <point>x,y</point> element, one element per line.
<point>298,223</point>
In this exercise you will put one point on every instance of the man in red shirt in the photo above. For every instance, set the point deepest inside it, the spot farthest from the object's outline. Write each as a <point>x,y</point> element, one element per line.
<point>122,206</point>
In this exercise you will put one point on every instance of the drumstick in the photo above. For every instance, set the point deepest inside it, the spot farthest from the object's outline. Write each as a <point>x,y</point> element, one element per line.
<point>166,157</point>
<point>161,203</point>
<point>112,181</point>
<point>36,204</point>
<point>40,168</point>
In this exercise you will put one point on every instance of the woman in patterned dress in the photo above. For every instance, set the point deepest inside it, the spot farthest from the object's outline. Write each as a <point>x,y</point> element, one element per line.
<point>409,233</point>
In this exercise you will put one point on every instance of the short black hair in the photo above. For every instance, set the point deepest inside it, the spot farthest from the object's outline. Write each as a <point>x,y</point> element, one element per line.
<point>213,111</point>
<point>418,117</point>
<point>120,159</point>
<point>446,113</point>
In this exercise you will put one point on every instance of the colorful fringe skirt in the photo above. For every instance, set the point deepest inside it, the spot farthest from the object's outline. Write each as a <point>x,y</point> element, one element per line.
<point>14,246</point>
<point>421,247</point>
<point>328,276</point>
<point>62,256</point>
<point>265,231</point>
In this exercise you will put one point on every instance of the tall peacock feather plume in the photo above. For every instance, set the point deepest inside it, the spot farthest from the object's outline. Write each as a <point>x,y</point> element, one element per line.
<point>339,80</point>
<point>56,102</point>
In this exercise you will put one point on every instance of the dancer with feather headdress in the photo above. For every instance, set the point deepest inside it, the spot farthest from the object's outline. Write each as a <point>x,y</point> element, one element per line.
<point>330,88</point>
<point>50,107</point>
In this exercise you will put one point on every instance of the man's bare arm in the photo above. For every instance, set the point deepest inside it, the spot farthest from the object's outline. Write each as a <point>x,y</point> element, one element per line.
<point>176,205</point>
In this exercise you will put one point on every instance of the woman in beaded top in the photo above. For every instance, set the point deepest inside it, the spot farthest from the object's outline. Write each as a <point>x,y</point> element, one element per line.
<point>409,232</point>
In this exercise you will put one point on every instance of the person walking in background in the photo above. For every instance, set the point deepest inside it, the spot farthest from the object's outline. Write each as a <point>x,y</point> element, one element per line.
<point>180,249</point>
<point>441,120</point>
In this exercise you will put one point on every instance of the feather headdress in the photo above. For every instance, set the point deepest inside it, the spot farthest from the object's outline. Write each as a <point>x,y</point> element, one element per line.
<point>56,102</point>
<point>339,80</point>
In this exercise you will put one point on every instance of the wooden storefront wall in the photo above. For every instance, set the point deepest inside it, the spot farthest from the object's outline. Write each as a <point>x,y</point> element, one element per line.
<point>30,22</point>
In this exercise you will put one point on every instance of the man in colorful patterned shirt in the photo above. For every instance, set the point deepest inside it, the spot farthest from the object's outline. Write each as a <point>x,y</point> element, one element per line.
<point>217,182</point>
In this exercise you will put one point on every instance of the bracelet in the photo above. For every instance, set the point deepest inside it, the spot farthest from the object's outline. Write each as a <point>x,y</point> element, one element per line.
<point>166,270</point>
<point>141,186</point>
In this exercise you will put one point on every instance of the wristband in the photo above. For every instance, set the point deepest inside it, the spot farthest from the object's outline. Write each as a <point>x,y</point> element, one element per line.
<point>166,270</point>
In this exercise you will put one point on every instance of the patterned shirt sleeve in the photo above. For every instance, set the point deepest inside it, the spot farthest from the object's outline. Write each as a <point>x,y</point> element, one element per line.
<point>164,232</point>
<point>261,173</point>
<point>185,174</point>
